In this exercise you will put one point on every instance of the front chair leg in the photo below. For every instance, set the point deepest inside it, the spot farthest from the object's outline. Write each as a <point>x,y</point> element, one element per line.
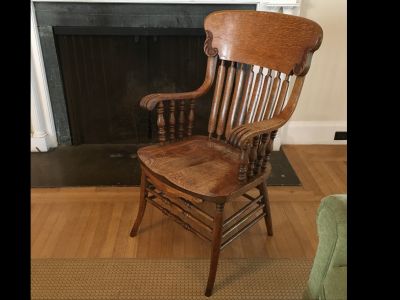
<point>142,205</point>
<point>215,248</point>
<point>267,209</point>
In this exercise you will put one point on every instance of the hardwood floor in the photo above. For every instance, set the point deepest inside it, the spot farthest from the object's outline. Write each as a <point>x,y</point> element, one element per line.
<point>96,221</point>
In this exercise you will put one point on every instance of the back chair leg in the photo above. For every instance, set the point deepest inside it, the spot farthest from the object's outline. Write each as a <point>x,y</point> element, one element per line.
<point>267,209</point>
<point>215,248</point>
<point>142,205</point>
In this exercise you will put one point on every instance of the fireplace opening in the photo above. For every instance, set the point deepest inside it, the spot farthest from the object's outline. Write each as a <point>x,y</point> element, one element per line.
<point>107,71</point>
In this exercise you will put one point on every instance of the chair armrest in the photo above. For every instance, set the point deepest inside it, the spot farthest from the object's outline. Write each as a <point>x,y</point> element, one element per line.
<point>150,101</point>
<point>243,133</point>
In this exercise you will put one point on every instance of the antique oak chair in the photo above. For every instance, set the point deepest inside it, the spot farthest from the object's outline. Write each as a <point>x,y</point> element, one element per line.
<point>257,54</point>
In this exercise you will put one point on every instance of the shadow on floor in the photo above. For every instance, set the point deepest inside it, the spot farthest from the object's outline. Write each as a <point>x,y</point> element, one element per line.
<point>116,165</point>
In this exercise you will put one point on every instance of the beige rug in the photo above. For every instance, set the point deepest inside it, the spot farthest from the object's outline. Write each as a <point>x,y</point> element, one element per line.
<point>110,279</point>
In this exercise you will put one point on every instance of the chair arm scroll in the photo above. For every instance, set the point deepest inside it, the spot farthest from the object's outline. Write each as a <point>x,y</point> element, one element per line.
<point>150,101</point>
<point>244,133</point>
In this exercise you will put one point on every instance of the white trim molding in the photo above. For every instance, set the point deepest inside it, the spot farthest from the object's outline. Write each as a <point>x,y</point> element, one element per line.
<point>312,132</point>
<point>43,135</point>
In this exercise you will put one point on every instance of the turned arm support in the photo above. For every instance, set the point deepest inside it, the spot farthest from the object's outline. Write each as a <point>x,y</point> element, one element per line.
<point>244,134</point>
<point>150,101</point>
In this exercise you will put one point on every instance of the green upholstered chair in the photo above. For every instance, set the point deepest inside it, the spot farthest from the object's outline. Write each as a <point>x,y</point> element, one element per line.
<point>328,276</point>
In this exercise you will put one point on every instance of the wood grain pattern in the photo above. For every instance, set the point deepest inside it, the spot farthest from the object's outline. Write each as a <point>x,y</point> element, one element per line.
<point>276,33</point>
<point>262,105</point>
<point>219,85</point>
<point>284,44</point>
<point>208,49</point>
<point>54,211</point>
<point>161,123</point>
<point>237,92</point>
<point>245,98</point>
<point>219,171</point>
<point>253,157</point>
<point>181,119</point>
<point>197,165</point>
<point>241,134</point>
<point>225,101</point>
<point>255,96</point>
<point>215,248</point>
<point>282,96</point>
<point>191,118</point>
<point>150,101</point>
<point>172,121</point>
<point>272,96</point>
<point>261,152</point>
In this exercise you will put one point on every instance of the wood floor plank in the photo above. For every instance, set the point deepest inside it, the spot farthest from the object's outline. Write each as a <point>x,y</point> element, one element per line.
<point>89,232</point>
<point>112,231</point>
<point>126,245</point>
<point>300,229</point>
<point>301,168</point>
<point>96,221</point>
<point>47,226</point>
<point>101,230</point>
<point>55,233</point>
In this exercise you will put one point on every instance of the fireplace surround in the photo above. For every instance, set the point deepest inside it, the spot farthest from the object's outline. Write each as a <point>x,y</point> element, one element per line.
<point>50,117</point>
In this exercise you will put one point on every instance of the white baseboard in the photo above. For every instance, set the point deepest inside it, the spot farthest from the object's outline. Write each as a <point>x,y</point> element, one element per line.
<point>312,132</point>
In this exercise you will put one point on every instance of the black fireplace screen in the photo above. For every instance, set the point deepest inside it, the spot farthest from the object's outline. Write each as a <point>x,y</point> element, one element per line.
<point>105,76</point>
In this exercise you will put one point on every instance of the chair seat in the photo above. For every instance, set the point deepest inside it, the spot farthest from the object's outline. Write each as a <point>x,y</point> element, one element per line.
<point>201,166</point>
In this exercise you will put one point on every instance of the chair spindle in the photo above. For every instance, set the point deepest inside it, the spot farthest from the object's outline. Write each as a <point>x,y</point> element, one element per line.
<point>226,100</point>
<point>253,156</point>
<point>181,119</point>
<point>244,160</point>
<point>237,92</point>
<point>216,99</point>
<point>282,95</point>
<point>264,97</point>
<point>246,95</point>
<point>272,96</point>
<point>255,96</point>
<point>191,117</point>
<point>172,120</point>
<point>161,123</point>
<point>268,150</point>
<point>261,152</point>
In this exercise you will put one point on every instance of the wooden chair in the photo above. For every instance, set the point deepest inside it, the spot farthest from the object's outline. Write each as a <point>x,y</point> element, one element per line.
<point>248,108</point>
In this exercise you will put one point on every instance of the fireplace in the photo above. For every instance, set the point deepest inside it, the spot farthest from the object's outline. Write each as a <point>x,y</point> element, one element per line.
<point>50,120</point>
<point>101,58</point>
<point>91,64</point>
<point>106,72</point>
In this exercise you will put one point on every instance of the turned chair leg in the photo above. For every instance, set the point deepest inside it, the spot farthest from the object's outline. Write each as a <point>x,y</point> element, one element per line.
<point>142,205</point>
<point>267,209</point>
<point>215,248</point>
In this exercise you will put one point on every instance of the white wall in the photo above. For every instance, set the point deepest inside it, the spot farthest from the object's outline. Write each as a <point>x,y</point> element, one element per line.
<point>324,95</point>
<point>322,107</point>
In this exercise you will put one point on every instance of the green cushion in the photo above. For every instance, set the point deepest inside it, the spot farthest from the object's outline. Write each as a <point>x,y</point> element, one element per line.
<point>331,252</point>
<point>334,286</point>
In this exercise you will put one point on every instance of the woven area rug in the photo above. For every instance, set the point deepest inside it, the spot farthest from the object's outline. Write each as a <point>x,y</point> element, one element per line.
<point>167,279</point>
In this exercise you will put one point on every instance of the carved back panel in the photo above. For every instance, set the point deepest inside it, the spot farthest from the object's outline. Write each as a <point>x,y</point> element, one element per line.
<point>258,54</point>
<point>273,40</point>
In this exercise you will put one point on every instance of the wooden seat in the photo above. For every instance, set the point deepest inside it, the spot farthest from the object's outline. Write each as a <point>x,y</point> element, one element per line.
<point>257,63</point>
<point>202,167</point>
